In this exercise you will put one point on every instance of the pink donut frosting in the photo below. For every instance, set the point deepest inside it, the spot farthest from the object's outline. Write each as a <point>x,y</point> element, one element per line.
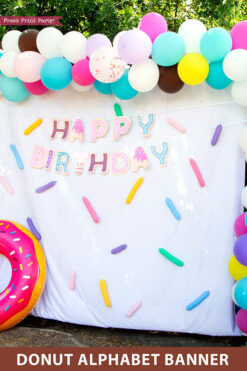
<point>19,249</point>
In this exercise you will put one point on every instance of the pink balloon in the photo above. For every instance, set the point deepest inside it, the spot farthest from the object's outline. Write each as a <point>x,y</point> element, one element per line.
<point>242,320</point>
<point>36,88</point>
<point>239,35</point>
<point>27,66</point>
<point>95,42</point>
<point>153,24</point>
<point>81,73</point>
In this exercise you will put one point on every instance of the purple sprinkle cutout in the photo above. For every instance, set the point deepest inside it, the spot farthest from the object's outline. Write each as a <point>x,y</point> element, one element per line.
<point>216,135</point>
<point>33,229</point>
<point>46,186</point>
<point>118,249</point>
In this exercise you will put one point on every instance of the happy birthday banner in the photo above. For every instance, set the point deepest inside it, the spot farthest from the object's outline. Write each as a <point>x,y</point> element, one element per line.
<point>115,163</point>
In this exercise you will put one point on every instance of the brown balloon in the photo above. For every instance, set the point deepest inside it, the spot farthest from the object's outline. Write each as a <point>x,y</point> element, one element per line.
<point>27,40</point>
<point>169,81</point>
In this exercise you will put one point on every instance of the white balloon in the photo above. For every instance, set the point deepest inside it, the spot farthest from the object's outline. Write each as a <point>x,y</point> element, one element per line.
<point>233,289</point>
<point>192,31</point>
<point>239,92</point>
<point>10,41</point>
<point>7,64</point>
<point>106,65</point>
<point>144,76</point>
<point>244,197</point>
<point>73,46</point>
<point>235,65</point>
<point>243,139</point>
<point>49,42</point>
<point>80,88</point>
<point>116,39</point>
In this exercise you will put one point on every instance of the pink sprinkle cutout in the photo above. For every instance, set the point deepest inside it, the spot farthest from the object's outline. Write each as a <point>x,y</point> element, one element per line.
<point>91,210</point>
<point>197,172</point>
<point>134,309</point>
<point>72,280</point>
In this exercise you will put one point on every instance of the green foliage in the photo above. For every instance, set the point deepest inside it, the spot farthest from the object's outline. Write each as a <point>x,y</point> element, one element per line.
<point>111,16</point>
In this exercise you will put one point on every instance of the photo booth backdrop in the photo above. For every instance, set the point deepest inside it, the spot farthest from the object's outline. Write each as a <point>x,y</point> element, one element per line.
<point>203,238</point>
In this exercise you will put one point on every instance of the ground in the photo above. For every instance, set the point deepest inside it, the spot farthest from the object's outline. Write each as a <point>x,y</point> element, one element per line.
<point>47,333</point>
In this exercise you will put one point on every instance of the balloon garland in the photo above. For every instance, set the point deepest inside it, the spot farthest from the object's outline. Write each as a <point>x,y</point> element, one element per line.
<point>35,62</point>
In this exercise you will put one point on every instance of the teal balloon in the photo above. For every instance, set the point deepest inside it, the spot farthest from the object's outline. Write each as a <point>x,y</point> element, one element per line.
<point>215,44</point>
<point>13,89</point>
<point>122,88</point>
<point>216,76</point>
<point>1,54</point>
<point>102,87</point>
<point>56,73</point>
<point>168,49</point>
<point>240,293</point>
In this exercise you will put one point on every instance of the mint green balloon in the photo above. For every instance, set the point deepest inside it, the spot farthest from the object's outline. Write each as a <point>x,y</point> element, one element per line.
<point>13,89</point>
<point>168,49</point>
<point>215,44</point>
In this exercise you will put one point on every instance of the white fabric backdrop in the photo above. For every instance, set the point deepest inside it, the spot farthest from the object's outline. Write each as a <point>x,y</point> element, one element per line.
<point>203,238</point>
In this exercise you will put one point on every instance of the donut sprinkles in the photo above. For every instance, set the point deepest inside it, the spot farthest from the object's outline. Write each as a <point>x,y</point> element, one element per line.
<point>46,187</point>
<point>176,125</point>
<point>134,190</point>
<point>118,249</point>
<point>17,156</point>
<point>6,185</point>
<point>28,265</point>
<point>104,292</point>
<point>171,257</point>
<point>33,229</point>
<point>134,309</point>
<point>198,300</point>
<point>90,209</point>
<point>33,126</point>
<point>216,135</point>
<point>197,172</point>
<point>173,209</point>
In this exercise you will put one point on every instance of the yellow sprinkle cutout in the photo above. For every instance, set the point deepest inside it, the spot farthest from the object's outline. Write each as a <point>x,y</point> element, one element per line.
<point>7,226</point>
<point>21,300</point>
<point>21,267</point>
<point>29,264</point>
<point>33,126</point>
<point>6,292</point>
<point>133,190</point>
<point>1,223</point>
<point>105,293</point>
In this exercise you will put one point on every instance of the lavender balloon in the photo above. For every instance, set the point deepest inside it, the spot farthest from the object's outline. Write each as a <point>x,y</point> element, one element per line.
<point>95,42</point>
<point>240,249</point>
<point>134,46</point>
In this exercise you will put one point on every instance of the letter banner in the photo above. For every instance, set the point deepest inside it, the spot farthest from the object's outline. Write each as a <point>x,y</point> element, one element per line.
<point>151,358</point>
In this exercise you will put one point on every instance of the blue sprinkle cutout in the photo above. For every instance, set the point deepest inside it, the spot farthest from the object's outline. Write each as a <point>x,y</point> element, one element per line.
<point>13,232</point>
<point>27,256</point>
<point>13,287</point>
<point>17,156</point>
<point>14,270</point>
<point>173,209</point>
<point>198,301</point>
<point>6,308</point>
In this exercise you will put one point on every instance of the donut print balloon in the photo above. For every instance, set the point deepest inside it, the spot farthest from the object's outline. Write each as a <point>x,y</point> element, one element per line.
<point>106,66</point>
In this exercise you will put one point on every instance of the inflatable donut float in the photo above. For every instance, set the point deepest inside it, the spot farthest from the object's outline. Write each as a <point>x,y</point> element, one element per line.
<point>27,260</point>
